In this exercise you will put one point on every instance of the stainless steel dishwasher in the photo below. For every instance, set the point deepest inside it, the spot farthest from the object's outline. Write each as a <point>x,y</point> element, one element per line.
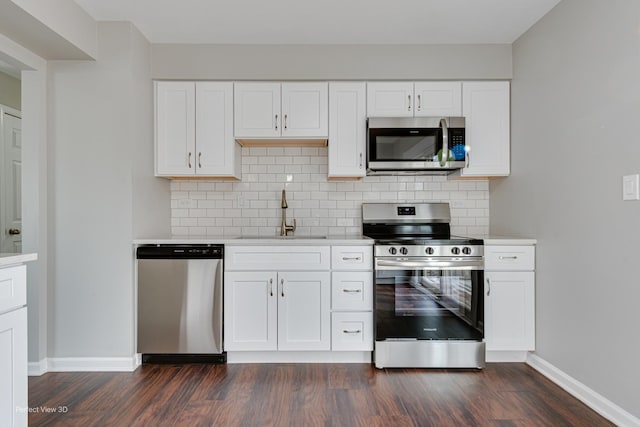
<point>180,303</point>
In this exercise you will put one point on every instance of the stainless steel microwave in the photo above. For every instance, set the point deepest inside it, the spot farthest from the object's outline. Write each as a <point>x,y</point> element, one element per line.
<point>420,145</point>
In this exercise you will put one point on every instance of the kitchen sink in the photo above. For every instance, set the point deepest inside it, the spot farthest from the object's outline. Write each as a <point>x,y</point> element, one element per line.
<point>283,237</point>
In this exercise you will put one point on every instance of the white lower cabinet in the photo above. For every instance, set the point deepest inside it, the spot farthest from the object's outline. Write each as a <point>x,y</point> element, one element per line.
<point>287,299</point>
<point>352,331</point>
<point>13,347</point>
<point>277,311</point>
<point>509,302</point>
<point>352,298</point>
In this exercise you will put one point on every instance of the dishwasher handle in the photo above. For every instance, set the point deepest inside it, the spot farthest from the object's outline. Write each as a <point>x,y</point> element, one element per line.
<point>200,251</point>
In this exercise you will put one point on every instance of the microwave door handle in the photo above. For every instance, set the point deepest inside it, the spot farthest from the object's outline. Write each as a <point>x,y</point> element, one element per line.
<point>445,142</point>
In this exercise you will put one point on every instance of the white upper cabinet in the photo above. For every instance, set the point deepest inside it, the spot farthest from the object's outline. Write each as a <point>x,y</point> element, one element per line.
<point>390,99</point>
<point>419,99</point>
<point>217,152</point>
<point>305,110</point>
<point>486,110</point>
<point>257,110</point>
<point>347,129</point>
<point>281,110</point>
<point>194,130</point>
<point>438,99</point>
<point>175,127</point>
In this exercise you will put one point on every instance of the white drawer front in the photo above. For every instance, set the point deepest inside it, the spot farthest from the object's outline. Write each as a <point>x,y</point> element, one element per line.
<point>285,257</point>
<point>352,257</point>
<point>352,331</point>
<point>13,287</point>
<point>509,258</point>
<point>352,291</point>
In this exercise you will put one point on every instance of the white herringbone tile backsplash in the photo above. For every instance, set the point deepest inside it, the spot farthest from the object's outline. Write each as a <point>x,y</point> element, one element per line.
<point>251,206</point>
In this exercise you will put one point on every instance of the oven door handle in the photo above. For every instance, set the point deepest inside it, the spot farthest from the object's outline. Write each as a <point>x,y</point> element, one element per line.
<point>430,265</point>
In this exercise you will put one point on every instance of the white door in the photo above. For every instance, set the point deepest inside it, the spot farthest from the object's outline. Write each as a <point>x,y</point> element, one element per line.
<point>304,314</point>
<point>487,113</point>
<point>250,311</point>
<point>438,99</point>
<point>390,99</point>
<point>217,153</point>
<point>257,110</point>
<point>175,128</point>
<point>11,189</point>
<point>510,311</point>
<point>305,110</point>
<point>347,129</point>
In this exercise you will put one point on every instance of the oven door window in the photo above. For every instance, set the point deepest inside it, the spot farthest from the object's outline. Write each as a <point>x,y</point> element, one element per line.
<point>429,304</point>
<point>420,145</point>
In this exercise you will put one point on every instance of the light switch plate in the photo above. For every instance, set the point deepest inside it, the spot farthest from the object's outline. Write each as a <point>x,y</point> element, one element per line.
<point>631,187</point>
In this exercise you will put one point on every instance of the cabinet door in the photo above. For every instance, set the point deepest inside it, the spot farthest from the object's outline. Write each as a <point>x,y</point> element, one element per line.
<point>305,110</point>
<point>390,99</point>
<point>175,128</point>
<point>13,287</point>
<point>250,311</point>
<point>352,331</point>
<point>438,99</point>
<point>217,152</point>
<point>347,129</point>
<point>257,110</point>
<point>304,316</point>
<point>509,311</point>
<point>13,367</point>
<point>352,290</point>
<point>485,106</point>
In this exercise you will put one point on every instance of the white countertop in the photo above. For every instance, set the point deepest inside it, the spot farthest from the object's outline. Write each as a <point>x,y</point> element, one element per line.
<point>258,240</point>
<point>508,240</point>
<point>7,259</point>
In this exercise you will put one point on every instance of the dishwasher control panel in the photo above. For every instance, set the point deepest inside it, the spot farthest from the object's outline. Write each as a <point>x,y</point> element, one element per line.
<point>203,251</point>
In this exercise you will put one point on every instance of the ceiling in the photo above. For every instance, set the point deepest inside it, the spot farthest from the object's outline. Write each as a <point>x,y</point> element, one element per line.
<point>325,21</point>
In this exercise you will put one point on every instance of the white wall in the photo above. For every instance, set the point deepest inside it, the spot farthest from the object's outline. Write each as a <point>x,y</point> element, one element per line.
<point>252,206</point>
<point>331,62</point>
<point>575,109</point>
<point>10,91</point>
<point>100,115</point>
<point>55,29</point>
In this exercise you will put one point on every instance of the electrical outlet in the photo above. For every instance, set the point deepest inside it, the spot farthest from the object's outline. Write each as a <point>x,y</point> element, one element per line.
<point>631,187</point>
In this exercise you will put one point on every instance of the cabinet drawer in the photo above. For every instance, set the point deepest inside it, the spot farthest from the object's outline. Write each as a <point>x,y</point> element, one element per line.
<point>269,258</point>
<point>352,331</point>
<point>352,291</point>
<point>13,287</point>
<point>509,258</point>
<point>352,257</point>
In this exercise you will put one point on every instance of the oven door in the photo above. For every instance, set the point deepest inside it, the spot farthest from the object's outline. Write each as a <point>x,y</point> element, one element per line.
<point>420,299</point>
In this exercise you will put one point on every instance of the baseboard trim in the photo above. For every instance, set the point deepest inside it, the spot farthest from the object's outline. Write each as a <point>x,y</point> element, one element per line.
<point>92,364</point>
<point>589,397</point>
<point>493,356</point>
<point>298,357</point>
<point>35,369</point>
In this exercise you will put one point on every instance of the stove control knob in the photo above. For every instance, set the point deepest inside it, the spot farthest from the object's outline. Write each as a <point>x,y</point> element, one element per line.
<point>429,250</point>
<point>404,251</point>
<point>392,251</point>
<point>466,250</point>
<point>455,250</point>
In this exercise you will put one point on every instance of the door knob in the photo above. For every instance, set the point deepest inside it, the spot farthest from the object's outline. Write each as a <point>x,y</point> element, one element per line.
<point>13,231</point>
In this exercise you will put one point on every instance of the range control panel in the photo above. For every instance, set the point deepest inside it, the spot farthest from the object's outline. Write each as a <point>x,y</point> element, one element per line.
<point>429,251</point>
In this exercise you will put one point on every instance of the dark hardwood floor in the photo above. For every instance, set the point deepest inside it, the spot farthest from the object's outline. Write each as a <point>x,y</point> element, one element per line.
<point>305,395</point>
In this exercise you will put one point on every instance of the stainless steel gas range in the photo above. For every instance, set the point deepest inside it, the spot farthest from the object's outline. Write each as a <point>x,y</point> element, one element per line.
<point>429,310</point>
